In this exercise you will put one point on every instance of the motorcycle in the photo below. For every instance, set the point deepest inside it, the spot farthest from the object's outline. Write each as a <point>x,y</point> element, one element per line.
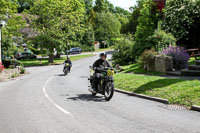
<point>66,68</point>
<point>106,84</point>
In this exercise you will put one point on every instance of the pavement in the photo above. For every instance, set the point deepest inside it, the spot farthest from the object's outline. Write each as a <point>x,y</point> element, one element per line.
<point>45,101</point>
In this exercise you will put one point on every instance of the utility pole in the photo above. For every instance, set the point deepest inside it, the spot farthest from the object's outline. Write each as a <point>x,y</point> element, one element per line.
<point>1,25</point>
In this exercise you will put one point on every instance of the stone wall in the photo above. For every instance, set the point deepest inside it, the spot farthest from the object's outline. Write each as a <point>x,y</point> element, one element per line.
<point>9,73</point>
<point>163,63</point>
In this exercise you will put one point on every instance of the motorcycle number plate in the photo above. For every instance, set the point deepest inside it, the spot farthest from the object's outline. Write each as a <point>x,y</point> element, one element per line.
<point>110,73</point>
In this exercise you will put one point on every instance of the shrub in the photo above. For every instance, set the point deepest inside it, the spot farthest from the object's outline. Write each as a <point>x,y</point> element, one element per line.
<point>22,70</point>
<point>148,57</point>
<point>123,56</point>
<point>160,40</point>
<point>10,62</point>
<point>1,67</point>
<point>179,55</point>
<point>86,48</point>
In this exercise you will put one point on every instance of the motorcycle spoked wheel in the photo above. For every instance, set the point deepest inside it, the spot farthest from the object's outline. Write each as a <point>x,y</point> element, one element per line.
<point>66,71</point>
<point>109,91</point>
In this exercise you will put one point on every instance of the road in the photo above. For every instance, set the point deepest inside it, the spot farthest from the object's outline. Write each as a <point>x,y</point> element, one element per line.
<point>45,101</point>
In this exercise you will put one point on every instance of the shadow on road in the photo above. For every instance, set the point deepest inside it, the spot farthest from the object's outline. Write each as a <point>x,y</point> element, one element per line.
<point>60,75</point>
<point>87,97</point>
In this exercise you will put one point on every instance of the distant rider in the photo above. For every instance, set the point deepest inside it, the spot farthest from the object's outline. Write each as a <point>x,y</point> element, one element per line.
<point>70,63</point>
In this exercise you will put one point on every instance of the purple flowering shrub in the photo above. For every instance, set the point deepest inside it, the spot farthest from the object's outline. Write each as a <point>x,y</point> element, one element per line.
<point>179,55</point>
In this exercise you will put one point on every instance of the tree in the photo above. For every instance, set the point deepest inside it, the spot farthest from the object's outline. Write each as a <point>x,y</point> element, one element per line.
<point>24,5</point>
<point>182,20</point>
<point>88,5</point>
<point>107,26</point>
<point>57,22</point>
<point>10,30</point>
<point>131,26</point>
<point>101,6</point>
<point>88,38</point>
<point>147,24</point>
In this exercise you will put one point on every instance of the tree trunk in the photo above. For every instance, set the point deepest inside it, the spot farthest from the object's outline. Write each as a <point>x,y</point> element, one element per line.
<point>51,56</point>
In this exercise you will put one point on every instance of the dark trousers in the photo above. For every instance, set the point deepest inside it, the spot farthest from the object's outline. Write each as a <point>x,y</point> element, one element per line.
<point>96,80</point>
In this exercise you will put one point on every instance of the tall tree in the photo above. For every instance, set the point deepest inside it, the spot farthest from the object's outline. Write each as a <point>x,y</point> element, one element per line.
<point>12,24</point>
<point>147,24</point>
<point>57,21</point>
<point>101,6</point>
<point>182,20</point>
<point>88,5</point>
<point>107,26</point>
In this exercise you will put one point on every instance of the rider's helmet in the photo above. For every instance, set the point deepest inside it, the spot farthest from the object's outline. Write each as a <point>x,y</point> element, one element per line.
<point>103,54</point>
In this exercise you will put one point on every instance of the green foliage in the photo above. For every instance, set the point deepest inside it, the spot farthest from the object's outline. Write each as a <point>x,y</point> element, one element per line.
<point>101,6</point>
<point>10,62</point>
<point>88,38</point>
<point>22,70</point>
<point>24,5</point>
<point>7,8</point>
<point>124,46</point>
<point>87,48</point>
<point>181,16</point>
<point>10,30</point>
<point>160,40</point>
<point>131,26</point>
<point>107,26</point>
<point>58,23</point>
<point>147,24</point>
<point>148,57</point>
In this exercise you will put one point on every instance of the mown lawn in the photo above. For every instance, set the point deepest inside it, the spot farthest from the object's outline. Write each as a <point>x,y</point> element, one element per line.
<point>177,91</point>
<point>136,69</point>
<point>104,49</point>
<point>43,62</point>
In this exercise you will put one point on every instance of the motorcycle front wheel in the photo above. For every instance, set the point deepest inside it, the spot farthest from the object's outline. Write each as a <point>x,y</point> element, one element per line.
<point>109,91</point>
<point>66,71</point>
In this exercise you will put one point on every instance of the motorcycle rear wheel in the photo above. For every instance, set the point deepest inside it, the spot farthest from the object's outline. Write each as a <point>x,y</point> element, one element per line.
<point>109,91</point>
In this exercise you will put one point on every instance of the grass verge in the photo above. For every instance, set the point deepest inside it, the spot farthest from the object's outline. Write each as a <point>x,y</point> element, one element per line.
<point>136,69</point>
<point>44,62</point>
<point>104,49</point>
<point>177,91</point>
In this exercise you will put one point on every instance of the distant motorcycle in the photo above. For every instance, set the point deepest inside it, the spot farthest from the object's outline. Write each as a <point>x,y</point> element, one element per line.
<point>106,84</point>
<point>66,68</point>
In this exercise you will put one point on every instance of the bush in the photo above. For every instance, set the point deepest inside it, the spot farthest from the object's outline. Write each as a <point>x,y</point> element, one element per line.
<point>148,22</point>
<point>160,40</point>
<point>11,63</point>
<point>86,48</point>
<point>123,56</point>
<point>179,55</point>
<point>22,70</point>
<point>1,67</point>
<point>148,57</point>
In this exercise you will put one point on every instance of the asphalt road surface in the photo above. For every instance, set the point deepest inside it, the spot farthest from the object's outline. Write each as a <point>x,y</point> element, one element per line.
<point>45,101</point>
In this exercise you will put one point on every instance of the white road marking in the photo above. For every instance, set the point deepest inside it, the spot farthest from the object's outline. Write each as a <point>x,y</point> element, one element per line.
<point>56,105</point>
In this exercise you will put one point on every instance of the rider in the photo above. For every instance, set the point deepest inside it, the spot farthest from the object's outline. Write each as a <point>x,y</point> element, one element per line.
<point>70,63</point>
<point>98,64</point>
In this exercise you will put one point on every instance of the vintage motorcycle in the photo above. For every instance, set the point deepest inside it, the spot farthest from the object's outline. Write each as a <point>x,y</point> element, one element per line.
<point>66,68</point>
<point>106,84</point>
